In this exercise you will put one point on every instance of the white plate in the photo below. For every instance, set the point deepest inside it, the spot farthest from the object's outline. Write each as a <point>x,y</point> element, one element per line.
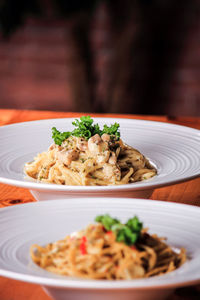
<point>173,149</point>
<point>44,222</point>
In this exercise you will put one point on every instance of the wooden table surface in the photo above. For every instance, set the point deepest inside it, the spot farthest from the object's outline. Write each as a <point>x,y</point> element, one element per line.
<point>187,192</point>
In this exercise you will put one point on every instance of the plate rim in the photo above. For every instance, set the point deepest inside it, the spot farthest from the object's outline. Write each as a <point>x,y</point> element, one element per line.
<point>149,184</point>
<point>106,117</point>
<point>90,284</point>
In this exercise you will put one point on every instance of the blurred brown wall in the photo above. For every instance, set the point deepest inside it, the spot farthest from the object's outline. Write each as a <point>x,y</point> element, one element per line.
<point>33,68</point>
<point>40,68</point>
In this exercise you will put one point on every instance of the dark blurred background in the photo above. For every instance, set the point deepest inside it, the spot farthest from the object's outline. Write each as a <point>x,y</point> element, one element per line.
<point>121,56</point>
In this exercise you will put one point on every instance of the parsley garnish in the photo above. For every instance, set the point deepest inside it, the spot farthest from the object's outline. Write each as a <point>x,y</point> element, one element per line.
<point>127,233</point>
<point>58,136</point>
<point>112,130</point>
<point>85,128</point>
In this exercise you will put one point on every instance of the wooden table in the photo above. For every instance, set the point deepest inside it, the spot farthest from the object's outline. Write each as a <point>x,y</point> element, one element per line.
<point>187,192</point>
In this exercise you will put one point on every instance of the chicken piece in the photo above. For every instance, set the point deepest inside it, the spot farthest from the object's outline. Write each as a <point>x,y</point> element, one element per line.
<point>103,156</point>
<point>54,146</point>
<point>94,139</point>
<point>51,147</point>
<point>105,137</point>
<point>131,271</point>
<point>66,157</point>
<point>96,145</point>
<point>82,144</point>
<point>111,171</point>
<point>69,143</point>
<point>113,159</point>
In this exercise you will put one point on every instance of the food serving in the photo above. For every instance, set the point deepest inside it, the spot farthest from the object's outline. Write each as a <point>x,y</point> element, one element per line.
<point>109,250</point>
<point>90,156</point>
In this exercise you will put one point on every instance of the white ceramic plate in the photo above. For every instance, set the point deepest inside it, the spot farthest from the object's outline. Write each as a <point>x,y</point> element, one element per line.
<point>44,222</point>
<point>173,149</point>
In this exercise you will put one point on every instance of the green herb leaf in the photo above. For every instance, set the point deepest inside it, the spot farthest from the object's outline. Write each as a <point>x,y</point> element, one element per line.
<point>106,221</point>
<point>134,224</point>
<point>127,236</point>
<point>127,233</point>
<point>85,128</point>
<point>58,136</point>
<point>112,130</point>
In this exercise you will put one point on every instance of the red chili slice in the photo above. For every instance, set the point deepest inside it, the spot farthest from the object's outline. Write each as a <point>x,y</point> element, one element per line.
<point>83,245</point>
<point>109,232</point>
<point>133,248</point>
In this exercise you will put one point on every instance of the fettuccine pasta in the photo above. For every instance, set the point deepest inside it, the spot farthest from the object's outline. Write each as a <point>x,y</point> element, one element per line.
<point>100,160</point>
<point>94,253</point>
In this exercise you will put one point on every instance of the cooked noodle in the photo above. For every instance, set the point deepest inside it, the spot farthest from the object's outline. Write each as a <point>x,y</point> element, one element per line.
<point>95,254</point>
<point>98,161</point>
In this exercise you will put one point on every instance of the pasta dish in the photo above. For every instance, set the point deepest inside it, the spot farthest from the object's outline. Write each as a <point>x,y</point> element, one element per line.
<point>101,158</point>
<point>97,253</point>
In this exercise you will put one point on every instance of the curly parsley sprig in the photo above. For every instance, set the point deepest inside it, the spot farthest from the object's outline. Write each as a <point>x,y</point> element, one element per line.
<point>85,128</point>
<point>127,233</point>
<point>58,136</point>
